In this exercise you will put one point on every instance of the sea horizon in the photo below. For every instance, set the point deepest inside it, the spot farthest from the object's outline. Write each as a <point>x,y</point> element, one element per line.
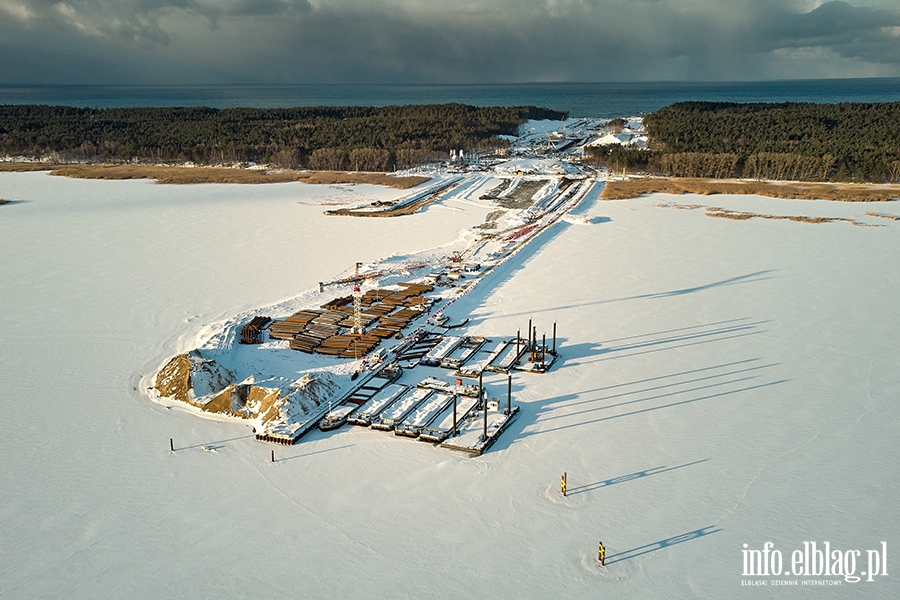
<point>580,99</point>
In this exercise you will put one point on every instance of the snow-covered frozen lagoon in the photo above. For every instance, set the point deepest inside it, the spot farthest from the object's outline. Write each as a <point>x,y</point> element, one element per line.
<point>721,382</point>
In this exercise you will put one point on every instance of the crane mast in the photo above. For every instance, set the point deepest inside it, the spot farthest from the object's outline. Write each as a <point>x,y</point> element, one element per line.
<point>357,303</point>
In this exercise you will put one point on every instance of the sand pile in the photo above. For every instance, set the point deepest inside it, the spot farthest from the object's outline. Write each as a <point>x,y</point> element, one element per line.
<point>205,384</point>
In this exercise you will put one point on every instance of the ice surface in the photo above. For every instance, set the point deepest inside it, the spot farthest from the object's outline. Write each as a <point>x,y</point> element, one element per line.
<point>720,382</point>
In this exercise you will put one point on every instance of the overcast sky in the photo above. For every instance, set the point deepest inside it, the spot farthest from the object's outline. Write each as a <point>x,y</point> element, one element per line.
<point>444,41</point>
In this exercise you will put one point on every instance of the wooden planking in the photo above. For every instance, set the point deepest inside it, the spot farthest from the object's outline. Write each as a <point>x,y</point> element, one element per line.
<point>326,330</point>
<point>250,332</point>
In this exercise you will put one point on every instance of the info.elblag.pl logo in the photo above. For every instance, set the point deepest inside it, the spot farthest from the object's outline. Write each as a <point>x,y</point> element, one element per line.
<point>813,560</point>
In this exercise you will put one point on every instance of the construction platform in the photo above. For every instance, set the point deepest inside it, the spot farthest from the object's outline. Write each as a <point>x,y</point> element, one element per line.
<point>474,436</point>
<point>400,397</point>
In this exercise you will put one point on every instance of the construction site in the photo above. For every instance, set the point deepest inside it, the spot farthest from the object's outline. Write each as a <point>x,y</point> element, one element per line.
<point>400,392</point>
<point>386,346</point>
<point>391,390</point>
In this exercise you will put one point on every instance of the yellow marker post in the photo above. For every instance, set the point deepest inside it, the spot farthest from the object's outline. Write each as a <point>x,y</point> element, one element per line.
<point>563,485</point>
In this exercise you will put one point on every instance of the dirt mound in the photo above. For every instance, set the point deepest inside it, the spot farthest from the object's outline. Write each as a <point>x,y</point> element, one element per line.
<point>194,379</point>
<point>203,383</point>
<point>300,398</point>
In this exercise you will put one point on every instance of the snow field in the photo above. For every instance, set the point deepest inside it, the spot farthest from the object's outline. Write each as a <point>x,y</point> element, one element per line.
<point>720,382</point>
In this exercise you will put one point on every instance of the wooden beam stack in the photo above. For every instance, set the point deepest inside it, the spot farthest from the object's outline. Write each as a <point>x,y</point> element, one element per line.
<point>285,330</point>
<point>326,331</point>
<point>337,302</point>
<point>250,332</point>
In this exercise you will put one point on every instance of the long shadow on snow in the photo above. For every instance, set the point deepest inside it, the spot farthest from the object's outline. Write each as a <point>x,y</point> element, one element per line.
<point>214,445</point>
<point>703,379</point>
<point>670,405</point>
<point>583,489</point>
<point>740,279</point>
<point>684,337</point>
<point>666,543</point>
<point>575,352</point>
<point>575,395</point>
<point>315,452</point>
<point>530,413</point>
<point>504,273</point>
<point>546,407</point>
<point>705,341</point>
<point>675,330</point>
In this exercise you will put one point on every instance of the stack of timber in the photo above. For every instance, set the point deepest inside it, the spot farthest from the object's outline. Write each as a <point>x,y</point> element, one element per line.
<point>250,332</point>
<point>304,343</point>
<point>303,316</point>
<point>381,332</point>
<point>325,331</point>
<point>348,345</point>
<point>378,310</point>
<point>285,330</point>
<point>374,296</point>
<point>292,325</point>
<point>415,289</point>
<point>328,318</point>
<point>416,301</point>
<point>409,293</point>
<point>398,319</point>
<point>405,313</point>
<point>366,320</point>
<point>338,302</point>
<point>394,300</point>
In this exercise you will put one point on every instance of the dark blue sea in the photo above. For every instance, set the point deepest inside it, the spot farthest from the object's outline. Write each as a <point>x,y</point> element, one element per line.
<point>580,99</point>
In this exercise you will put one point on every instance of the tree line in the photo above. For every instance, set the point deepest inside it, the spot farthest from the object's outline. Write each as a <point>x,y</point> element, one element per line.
<point>798,141</point>
<point>326,138</point>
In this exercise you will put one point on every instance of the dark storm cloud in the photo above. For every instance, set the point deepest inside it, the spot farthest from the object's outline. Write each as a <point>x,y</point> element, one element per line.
<point>855,32</point>
<point>136,20</point>
<point>157,41</point>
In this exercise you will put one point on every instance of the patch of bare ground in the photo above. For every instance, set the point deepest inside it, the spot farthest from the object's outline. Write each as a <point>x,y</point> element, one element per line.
<point>883,216</point>
<point>490,221</point>
<point>492,195</point>
<point>523,195</point>
<point>741,216</point>
<point>843,192</point>
<point>724,213</point>
<point>389,211</point>
<point>187,175</point>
